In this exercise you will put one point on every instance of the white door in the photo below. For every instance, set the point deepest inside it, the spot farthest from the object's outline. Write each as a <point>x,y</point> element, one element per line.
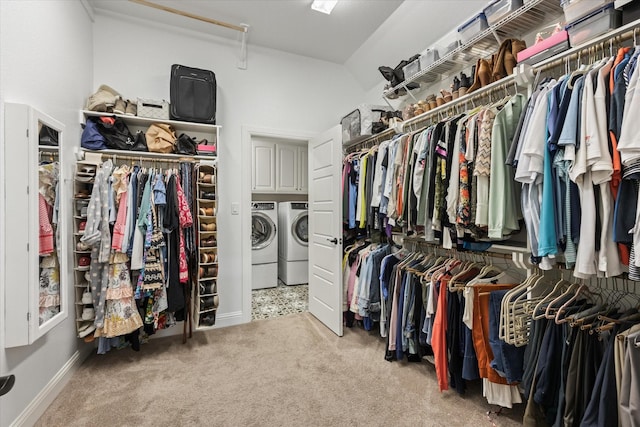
<point>263,162</point>
<point>286,168</point>
<point>303,166</point>
<point>325,230</point>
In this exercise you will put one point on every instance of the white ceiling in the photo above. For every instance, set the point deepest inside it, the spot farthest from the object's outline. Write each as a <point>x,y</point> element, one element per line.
<point>286,25</point>
<point>360,34</point>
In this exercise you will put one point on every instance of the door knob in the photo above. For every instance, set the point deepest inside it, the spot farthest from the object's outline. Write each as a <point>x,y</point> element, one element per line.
<point>334,241</point>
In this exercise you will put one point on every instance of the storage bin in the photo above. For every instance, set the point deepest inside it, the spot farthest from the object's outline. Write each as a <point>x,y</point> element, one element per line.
<point>428,57</point>
<point>594,24</point>
<point>576,9</point>
<point>153,109</point>
<point>473,27</point>
<point>498,9</point>
<point>359,122</point>
<point>411,69</point>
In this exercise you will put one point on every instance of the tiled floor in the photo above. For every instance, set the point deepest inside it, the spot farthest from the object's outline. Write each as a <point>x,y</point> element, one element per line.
<point>279,301</point>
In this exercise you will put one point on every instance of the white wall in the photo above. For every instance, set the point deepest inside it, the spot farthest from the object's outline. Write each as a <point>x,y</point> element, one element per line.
<point>278,91</point>
<point>45,61</point>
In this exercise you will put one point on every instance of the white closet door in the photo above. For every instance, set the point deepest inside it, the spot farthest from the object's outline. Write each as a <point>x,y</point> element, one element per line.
<point>286,168</point>
<point>325,231</point>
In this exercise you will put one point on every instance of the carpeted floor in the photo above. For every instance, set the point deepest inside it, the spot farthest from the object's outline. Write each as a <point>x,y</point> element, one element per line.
<point>288,371</point>
<point>279,301</point>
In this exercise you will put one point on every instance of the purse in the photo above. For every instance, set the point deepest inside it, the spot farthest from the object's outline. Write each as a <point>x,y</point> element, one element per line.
<point>48,136</point>
<point>186,145</point>
<point>140,143</point>
<point>116,133</point>
<point>161,138</point>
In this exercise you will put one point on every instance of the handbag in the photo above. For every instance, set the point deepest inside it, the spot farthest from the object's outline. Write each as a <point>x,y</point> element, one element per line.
<point>161,138</point>
<point>140,143</point>
<point>116,133</point>
<point>48,136</point>
<point>91,138</point>
<point>186,145</point>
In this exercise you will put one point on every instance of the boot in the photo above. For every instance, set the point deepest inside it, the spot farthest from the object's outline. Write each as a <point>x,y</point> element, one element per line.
<point>476,81</point>
<point>446,95</point>
<point>498,69</point>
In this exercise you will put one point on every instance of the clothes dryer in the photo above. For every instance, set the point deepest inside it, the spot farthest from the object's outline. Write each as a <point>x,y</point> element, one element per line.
<point>293,238</point>
<point>264,244</point>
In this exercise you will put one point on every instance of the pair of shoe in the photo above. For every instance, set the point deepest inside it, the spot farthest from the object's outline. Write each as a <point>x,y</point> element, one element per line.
<point>208,319</point>
<point>208,242</point>
<point>460,85</point>
<point>206,258</point>
<point>209,195</point>
<point>207,178</point>
<point>207,303</point>
<point>208,226</point>
<point>208,288</point>
<point>211,272</point>
<point>207,212</point>
<point>499,65</point>
<point>88,313</point>
<point>125,107</point>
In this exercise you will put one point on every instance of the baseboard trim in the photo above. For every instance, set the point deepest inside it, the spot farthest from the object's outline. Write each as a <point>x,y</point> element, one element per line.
<point>229,319</point>
<point>41,402</point>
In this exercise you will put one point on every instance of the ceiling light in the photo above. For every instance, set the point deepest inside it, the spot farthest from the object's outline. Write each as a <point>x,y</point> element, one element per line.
<point>324,6</point>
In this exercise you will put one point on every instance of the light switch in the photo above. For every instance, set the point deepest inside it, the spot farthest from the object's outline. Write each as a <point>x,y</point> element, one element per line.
<point>235,208</point>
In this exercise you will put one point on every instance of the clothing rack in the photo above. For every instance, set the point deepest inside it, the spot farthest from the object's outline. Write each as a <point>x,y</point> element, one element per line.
<point>142,156</point>
<point>370,141</point>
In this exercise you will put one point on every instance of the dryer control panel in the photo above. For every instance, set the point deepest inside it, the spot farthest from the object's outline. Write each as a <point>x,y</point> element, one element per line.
<point>263,206</point>
<point>300,206</point>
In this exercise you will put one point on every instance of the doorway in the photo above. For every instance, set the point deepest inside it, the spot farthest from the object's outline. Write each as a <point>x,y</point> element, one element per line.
<point>275,175</point>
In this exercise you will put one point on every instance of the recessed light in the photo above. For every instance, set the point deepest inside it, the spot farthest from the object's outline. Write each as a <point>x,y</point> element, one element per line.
<point>324,6</point>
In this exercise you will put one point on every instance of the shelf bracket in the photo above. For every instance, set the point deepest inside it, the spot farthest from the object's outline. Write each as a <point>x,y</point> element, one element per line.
<point>242,60</point>
<point>496,36</point>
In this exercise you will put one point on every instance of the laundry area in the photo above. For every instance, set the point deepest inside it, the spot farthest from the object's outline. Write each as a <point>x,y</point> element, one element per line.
<point>285,212</point>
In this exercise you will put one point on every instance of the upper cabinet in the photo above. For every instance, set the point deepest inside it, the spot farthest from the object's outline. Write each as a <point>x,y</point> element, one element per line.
<point>34,228</point>
<point>279,167</point>
<point>263,178</point>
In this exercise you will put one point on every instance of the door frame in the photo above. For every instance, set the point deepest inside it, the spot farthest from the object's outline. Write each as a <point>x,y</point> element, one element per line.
<point>248,132</point>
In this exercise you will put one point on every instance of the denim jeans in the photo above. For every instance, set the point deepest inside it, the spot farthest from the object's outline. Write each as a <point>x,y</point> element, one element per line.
<point>508,360</point>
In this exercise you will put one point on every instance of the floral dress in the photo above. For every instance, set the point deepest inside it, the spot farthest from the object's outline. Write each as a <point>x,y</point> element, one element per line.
<point>121,314</point>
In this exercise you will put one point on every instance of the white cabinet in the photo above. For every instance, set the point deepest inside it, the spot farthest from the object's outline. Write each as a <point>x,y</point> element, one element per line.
<point>263,178</point>
<point>286,168</point>
<point>279,167</point>
<point>303,169</point>
<point>35,207</point>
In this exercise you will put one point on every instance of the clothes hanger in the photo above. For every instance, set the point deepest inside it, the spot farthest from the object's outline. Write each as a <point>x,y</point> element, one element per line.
<point>558,289</point>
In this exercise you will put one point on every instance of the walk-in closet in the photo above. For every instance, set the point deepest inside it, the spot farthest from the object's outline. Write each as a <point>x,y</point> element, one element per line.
<point>289,212</point>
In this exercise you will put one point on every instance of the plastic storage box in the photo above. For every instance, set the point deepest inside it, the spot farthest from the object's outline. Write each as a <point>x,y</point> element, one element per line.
<point>594,24</point>
<point>576,9</point>
<point>428,57</point>
<point>410,69</point>
<point>498,9</point>
<point>473,27</point>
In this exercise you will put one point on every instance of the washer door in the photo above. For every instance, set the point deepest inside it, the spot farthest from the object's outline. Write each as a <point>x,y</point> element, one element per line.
<point>300,229</point>
<point>263,231</point>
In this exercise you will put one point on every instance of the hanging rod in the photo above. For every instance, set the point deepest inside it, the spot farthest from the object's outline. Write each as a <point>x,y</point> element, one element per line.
<point>143,156</point>
<point>240,28</point>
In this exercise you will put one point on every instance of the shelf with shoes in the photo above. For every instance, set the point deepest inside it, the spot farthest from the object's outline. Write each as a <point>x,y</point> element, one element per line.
<point>517,23</point>
<point>205,293</point>
<point>83,180</point>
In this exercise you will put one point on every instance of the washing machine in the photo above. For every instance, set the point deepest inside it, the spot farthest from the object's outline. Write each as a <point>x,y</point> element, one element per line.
<point>264,245</point>
<point>293,238</point>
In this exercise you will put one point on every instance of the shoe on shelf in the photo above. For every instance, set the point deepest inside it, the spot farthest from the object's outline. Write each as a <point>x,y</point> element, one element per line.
<point>103,100</point>
<point>120,106</point>
<point>131,109</point>
<point>446,95</point>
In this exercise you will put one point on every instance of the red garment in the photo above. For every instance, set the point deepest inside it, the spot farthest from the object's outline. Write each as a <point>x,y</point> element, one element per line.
<point>439,338</point>
<point>484,354</point>
<point>46,231</point>
<point>186,220</point>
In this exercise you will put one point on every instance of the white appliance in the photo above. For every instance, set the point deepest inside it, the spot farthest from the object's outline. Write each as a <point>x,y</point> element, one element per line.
<point>293,237</point>
<point>264,245</point>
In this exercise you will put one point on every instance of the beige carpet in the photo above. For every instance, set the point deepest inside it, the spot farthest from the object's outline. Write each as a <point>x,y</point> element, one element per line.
<point>288,371</point>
